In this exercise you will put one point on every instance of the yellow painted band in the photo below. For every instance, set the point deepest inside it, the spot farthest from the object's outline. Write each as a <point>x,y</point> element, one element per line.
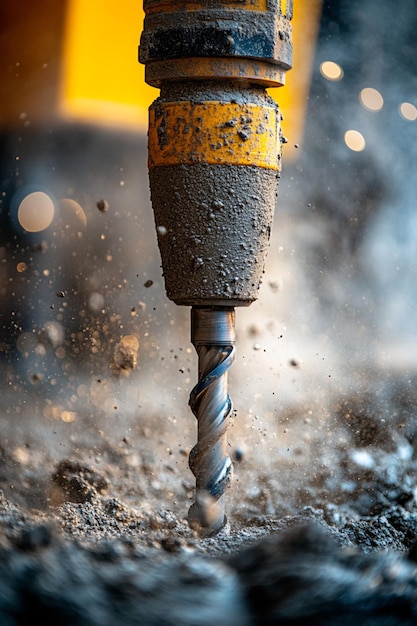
<point>172,6</point>
<point>214,132</point>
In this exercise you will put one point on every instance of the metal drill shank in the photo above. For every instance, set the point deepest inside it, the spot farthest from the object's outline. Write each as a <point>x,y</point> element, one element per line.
<point>212,334</point>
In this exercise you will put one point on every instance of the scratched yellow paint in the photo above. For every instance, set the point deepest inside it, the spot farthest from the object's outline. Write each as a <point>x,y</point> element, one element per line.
<point>103,83</point>
<point>213,132</point>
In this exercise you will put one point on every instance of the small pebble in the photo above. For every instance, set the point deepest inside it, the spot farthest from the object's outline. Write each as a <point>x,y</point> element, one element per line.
<point>102,205</point>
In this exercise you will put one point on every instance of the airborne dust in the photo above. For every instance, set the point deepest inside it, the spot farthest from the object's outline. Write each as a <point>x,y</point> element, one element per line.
<point>97,367</point>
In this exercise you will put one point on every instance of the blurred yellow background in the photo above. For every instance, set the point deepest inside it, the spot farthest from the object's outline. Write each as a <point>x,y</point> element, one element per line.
<point>77,61</point>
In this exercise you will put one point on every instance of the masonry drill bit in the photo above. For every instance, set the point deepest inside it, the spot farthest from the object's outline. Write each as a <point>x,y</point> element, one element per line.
<point>214,157</point>
<point>213,336</point>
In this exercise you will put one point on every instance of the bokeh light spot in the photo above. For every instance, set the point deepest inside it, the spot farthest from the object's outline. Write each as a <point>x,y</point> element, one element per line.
<point>72,212</point>
<point>408,111</point>
<point>371,99</point>
<point>355,140</point>
<point>36,212</point>
<point>331,70</point>
<point>68,416</point>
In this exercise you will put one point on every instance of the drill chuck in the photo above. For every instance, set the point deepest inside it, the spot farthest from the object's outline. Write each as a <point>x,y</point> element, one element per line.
<point>214,141</point>
<point>213,169</point>
<point>240,40</point>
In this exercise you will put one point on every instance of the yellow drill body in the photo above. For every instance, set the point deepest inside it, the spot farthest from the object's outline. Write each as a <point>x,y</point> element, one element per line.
<point>214,164</point>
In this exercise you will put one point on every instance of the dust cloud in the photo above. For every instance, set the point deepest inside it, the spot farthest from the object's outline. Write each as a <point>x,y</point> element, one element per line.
<point>97,364</point>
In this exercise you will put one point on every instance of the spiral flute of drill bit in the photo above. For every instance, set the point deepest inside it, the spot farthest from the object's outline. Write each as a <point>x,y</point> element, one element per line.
<point>212,406</point>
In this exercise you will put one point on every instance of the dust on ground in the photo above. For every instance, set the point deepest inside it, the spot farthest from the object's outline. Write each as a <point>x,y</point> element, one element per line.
<point>91,501</point>
<point>351,466</point>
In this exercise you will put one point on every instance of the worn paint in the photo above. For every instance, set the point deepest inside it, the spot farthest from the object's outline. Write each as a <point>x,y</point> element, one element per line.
<point>214,132</point>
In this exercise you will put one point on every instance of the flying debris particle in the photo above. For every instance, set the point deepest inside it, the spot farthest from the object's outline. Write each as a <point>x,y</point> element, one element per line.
<point>295,363</point>
<point>275,285</point>
<point>238,455</point>
<point>125,356</point>
<point>254,330</point>
<point>148,283</point>
<point>162,230</point>
<point>61,294</point>
<point>102,205</point>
